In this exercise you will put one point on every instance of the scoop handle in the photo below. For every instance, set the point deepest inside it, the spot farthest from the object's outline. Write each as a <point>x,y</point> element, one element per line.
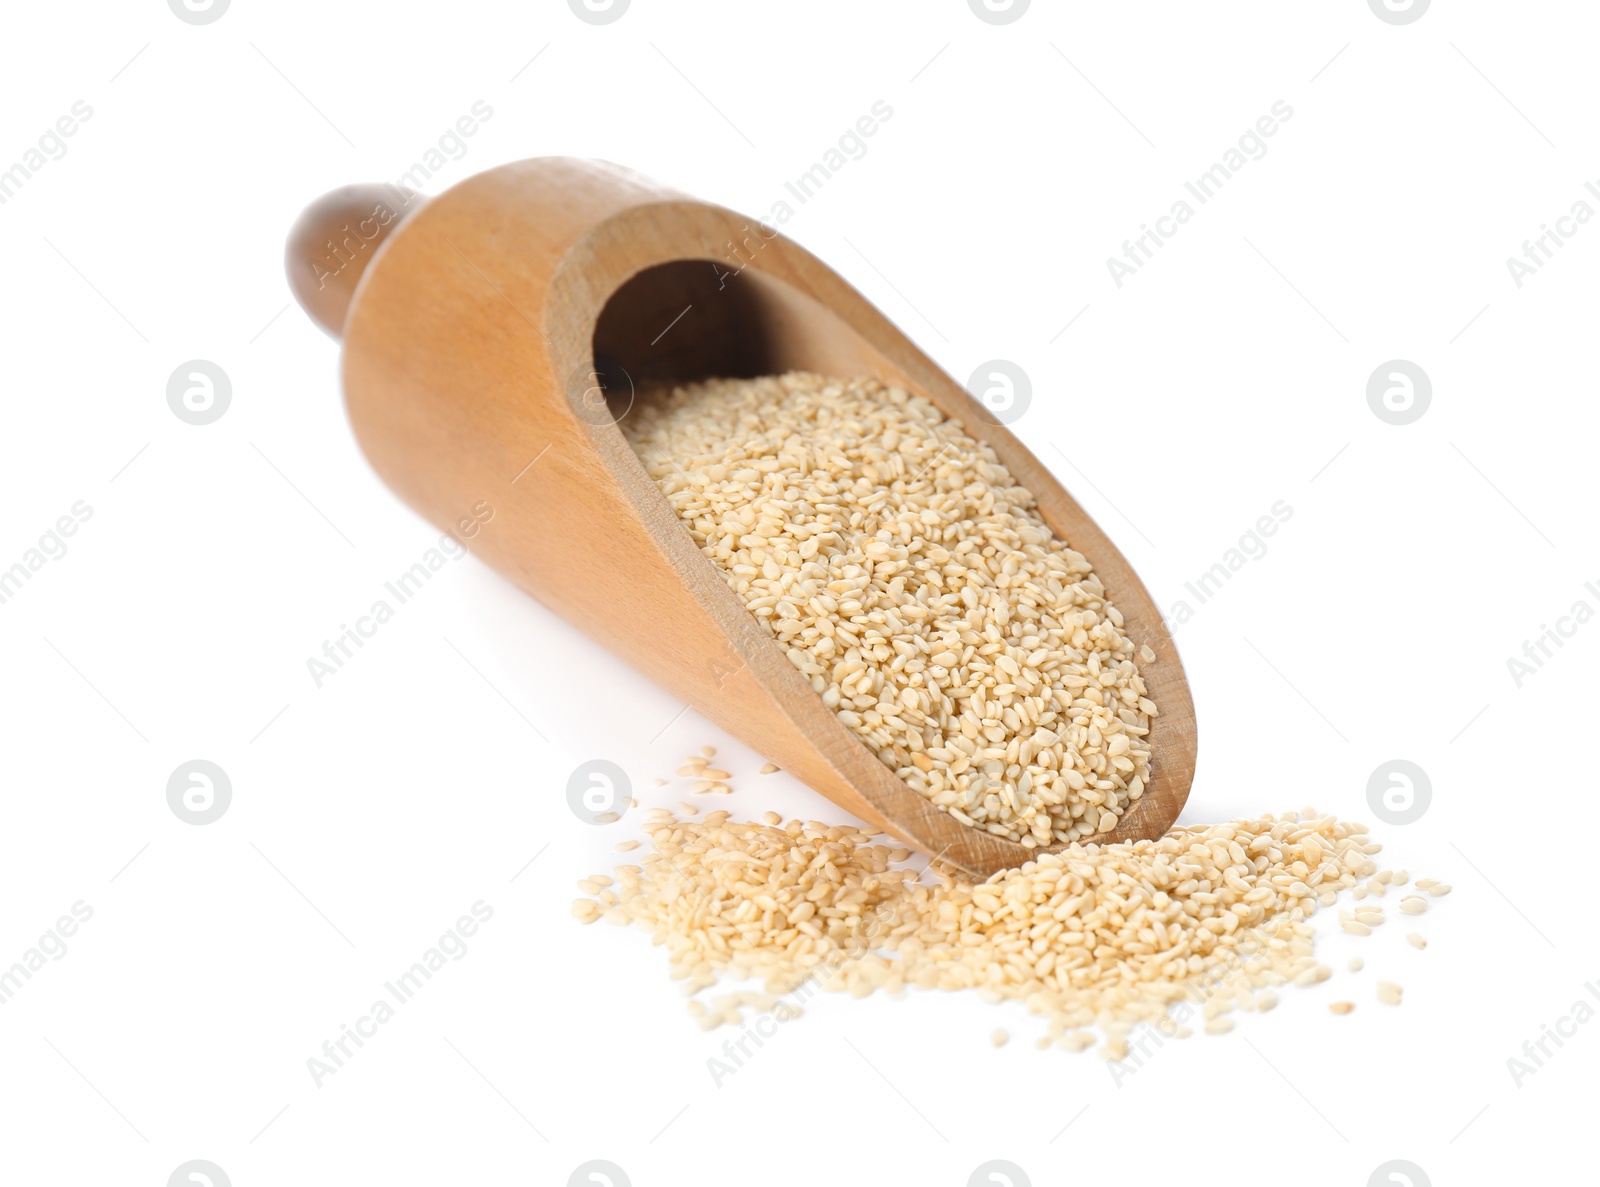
<point>333,241</point>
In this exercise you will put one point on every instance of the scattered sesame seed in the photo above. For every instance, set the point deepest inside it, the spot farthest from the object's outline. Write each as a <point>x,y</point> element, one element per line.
<point>786,901</point>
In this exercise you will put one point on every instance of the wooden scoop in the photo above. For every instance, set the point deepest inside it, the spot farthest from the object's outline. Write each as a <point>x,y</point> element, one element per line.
<point>495,334</point>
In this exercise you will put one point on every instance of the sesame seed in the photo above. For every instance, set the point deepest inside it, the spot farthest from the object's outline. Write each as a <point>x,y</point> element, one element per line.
<point>1089,937</point>
<point>915,585</point>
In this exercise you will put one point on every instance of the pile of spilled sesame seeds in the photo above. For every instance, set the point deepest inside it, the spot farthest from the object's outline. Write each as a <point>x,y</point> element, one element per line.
<point>910,577</point>
<point>912,580</point>
<point>1095,939</point>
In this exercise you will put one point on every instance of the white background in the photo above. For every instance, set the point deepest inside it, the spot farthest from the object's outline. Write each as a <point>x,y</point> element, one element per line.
<point>367,815</point>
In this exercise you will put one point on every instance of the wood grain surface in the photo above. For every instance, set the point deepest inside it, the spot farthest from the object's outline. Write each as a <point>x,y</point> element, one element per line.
<point>495,336</point>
